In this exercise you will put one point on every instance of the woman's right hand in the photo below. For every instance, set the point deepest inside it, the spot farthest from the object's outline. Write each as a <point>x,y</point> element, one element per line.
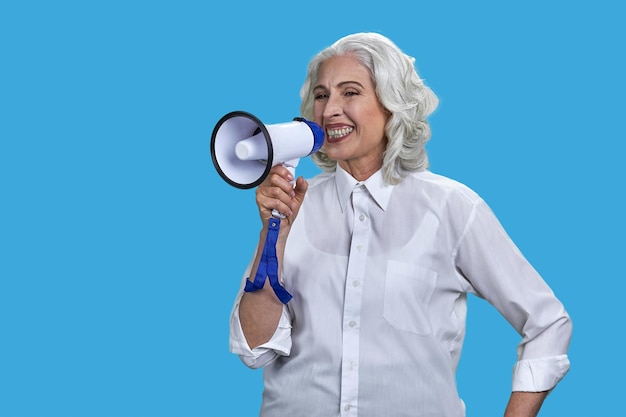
<point>277,192</point>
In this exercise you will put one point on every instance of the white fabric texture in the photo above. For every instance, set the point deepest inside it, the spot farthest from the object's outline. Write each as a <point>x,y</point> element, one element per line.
<point>379,276</point>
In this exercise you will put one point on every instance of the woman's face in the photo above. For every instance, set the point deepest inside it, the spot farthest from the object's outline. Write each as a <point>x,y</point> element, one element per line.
<point>347,107</point>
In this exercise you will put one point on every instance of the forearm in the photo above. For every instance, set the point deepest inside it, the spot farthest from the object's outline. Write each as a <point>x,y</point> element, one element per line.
<point>259,314</point>
<point>525,404</point>
<point>260,311</point>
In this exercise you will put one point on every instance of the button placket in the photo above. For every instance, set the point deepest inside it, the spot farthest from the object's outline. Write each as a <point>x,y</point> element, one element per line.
<point>352,302</point>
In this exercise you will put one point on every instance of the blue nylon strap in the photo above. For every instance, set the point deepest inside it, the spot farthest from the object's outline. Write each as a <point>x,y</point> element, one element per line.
<point>268,267</point>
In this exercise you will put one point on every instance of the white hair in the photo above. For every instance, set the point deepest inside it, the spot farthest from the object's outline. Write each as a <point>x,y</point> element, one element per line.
<point>400,90</point>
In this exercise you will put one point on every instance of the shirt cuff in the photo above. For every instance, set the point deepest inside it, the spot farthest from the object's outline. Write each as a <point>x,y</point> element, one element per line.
<point>536,375</point>
<point>278,345</point>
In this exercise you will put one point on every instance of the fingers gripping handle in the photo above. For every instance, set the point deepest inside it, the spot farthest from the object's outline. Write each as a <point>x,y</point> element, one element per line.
<point>291,166</point>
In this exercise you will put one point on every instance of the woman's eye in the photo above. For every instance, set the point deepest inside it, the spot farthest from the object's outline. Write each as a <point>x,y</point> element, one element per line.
<point>351,93</point>
<point>320,96</point>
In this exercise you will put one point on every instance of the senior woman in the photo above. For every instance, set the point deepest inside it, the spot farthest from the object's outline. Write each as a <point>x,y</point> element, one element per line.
<point>379,254</point>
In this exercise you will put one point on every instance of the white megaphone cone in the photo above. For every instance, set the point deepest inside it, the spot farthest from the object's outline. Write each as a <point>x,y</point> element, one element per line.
<point>244,149</point>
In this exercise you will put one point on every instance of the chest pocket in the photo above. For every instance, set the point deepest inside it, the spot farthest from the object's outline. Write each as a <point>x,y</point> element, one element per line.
<point>408,290</point>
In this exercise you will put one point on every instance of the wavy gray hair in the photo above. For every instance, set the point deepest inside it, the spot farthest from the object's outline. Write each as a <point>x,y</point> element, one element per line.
<point>400,90</point>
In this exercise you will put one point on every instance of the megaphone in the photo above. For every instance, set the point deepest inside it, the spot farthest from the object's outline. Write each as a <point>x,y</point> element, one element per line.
<point>244,150</point>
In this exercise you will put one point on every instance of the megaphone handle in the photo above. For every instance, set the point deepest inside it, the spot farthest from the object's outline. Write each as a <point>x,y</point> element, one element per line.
<point>291,166</point>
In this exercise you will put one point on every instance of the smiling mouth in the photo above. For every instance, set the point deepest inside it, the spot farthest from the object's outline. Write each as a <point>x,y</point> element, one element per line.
<point>338,133</point>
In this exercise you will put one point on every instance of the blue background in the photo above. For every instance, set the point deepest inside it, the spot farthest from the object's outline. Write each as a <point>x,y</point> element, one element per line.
<point>121,248</point>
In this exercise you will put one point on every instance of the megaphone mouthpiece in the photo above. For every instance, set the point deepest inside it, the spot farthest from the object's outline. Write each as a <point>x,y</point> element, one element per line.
<point>252,148</point>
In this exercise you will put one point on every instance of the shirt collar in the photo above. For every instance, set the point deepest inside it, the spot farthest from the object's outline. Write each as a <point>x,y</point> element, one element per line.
<point>380,192</point>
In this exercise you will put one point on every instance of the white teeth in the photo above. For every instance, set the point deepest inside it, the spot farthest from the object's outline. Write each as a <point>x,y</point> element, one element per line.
<point>337,133</point>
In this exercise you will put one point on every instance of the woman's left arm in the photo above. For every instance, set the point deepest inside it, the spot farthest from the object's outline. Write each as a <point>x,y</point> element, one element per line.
<point>498,272</point>
<point>525,404</point>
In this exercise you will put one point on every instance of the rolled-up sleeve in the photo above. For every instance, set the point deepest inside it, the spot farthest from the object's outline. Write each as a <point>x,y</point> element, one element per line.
<point>498,272</point>
<point>535,375</point>
<point>278,345</point>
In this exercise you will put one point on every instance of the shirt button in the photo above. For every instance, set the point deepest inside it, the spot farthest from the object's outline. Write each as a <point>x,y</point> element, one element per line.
<point>352,323</point>
<point>346,407</point>
<point>362,217</point>
<point>355,283</point>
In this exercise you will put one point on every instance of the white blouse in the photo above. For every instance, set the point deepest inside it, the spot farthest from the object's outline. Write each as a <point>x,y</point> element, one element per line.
<point>379,276</point>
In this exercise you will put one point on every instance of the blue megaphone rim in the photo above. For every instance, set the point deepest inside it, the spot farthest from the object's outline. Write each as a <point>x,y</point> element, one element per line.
<point>318,133</point>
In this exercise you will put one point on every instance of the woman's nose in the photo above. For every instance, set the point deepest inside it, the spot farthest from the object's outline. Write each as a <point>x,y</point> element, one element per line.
<point>332,108</point>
